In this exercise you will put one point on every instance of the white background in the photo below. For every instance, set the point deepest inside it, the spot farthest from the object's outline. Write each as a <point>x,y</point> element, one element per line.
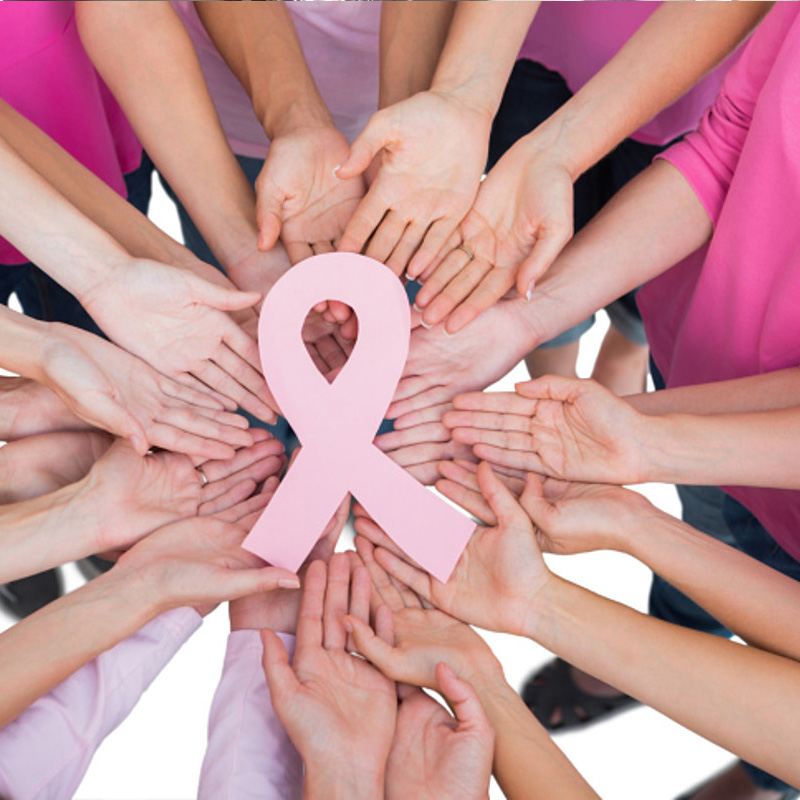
<point>156,753</point>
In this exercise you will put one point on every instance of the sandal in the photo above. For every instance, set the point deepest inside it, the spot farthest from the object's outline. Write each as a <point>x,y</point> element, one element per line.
<point>552,688</point>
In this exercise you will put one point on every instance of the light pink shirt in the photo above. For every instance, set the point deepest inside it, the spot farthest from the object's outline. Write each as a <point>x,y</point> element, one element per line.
<point>47,77</point>
<point>340,43</point>
<point>45,752</point>
<point>578,39</point>
<point>733,308</point>
<point>249,755</point>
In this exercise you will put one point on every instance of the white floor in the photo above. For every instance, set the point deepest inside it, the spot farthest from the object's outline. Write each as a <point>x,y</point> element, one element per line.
<point>640,755</point>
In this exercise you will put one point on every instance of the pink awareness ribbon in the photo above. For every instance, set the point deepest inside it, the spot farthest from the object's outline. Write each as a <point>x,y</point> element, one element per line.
<point>336,422</point>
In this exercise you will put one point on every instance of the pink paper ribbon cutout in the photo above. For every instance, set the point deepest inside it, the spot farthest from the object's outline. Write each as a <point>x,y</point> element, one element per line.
<point>336,423</point>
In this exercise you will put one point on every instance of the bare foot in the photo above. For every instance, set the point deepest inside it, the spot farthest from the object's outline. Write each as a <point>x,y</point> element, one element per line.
<point>42,464</point>
<point>734,784</point>
<point>621,364</point>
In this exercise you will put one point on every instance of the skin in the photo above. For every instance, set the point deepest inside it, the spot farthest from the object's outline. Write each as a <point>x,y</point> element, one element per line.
<point>522,215</point>
<point>122,498</point>
<point>331,703</point>
<point>422,192</point>
<point>111,389</point>
<point>190,563</point>
<point>643,656</point>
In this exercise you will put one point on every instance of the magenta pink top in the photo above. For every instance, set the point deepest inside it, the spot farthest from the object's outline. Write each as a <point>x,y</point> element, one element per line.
<point>732,309</point>
<point>577,39</point>
<point>46,75</point>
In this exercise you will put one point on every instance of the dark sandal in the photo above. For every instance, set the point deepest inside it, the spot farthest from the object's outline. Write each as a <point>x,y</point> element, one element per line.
<point>552,688</point>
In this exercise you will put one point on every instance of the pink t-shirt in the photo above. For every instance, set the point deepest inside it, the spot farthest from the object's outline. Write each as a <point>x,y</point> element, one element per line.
<point>578,39</point>
<point>340,43</point>
<point>732,309</point>
<point>47,77</point>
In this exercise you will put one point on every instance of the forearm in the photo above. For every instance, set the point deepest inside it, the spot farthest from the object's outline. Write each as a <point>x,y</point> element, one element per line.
<point>527,762</point>
<point>40,652</point>
<point>740,449</point>
<point>772,390</point>
<point>39,221</point>
<point>648,226</point>
<point>480,51</point>
<point>145,56</point>
<point>756,602</point>
<point>260,44</point>
<point>412,36</point>
<point>671,52</point>
<point>735,696</point>
<point>48,531</point>
<point>90,195</point>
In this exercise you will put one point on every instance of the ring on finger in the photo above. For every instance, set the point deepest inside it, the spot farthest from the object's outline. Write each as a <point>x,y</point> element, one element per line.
<point>467,251</point>
<point>203,478</point>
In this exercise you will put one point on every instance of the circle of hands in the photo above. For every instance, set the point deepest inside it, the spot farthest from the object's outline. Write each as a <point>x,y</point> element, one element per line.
<point>175,478</point>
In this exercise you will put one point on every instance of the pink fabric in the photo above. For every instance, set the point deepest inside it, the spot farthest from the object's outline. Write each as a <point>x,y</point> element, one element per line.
<point>577,39</point>
<point>733,308</point>
<point>46,751</point>
<point>47,77</point>
<point>340,42</point>
<point>249,755</point>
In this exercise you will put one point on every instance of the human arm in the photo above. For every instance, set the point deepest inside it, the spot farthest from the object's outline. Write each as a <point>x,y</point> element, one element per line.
<point>427,189</point>
<point>109,388</point>
<point>189,563</point>
<point>46,751</point>
<point>578,430</point>
<point>522,216</point>
<point>122,499</point>
<point>695,678</point>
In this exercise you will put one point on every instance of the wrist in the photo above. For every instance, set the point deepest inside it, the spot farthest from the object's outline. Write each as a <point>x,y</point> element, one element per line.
<point>340,781</point>
<point>294,115</point>
<point>474,96</point>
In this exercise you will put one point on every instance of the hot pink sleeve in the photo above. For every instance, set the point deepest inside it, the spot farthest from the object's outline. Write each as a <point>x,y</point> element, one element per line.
<point>249,754</point>
<point>707,158</point>
<point>45,752</point>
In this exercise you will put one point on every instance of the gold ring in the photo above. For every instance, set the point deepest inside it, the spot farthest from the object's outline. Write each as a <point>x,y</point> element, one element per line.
<point>203,478</point>
<point>467,251</point>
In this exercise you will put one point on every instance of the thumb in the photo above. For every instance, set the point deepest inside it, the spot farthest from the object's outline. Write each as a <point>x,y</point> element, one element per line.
<point>544,253</point>
<point>500,499</point>
<point>224,298</point>
<point>550,387</point>
<point>369,644</point>
<point>280,676</point>
<point>462,698</point>
<point>269,208</point>
<point>113,417</point>
<point>532,499</point>
<point>366,146</point>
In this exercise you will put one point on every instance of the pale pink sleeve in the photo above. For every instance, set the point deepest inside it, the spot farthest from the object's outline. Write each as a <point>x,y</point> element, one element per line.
<point>45,752</point>
<point>707,158</point>
<point>249,754</point>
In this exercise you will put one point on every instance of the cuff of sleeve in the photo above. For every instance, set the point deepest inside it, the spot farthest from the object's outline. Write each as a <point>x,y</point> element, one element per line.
<point>245,642</point>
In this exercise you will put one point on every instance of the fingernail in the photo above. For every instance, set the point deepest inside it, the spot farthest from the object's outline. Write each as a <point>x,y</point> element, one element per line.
<point>286,583</point>
<point>414,304</point>
<point>448,334</point>
<point>529,293</point>
<point>348,626</point>
<point>336,169</point>
<point>424,324</point>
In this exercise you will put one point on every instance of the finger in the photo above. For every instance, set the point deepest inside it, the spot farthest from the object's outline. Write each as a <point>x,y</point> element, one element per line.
<point>541,258</point>
<point>419,581</point>
<point>384,625</point>
<point>298,251</point>
<point>427,432</point>
<point>185,394</point>
<point>458,290</point>
<point>500,499</point>
<point>369,530</point>
<point>179,441</point>
<point>246,512</point>
<point>244,582</point>
<point>501,439</point>
<point>427,474</point>
<point>551,387</point>
<point>429,414</point>
<point>223,298</point>
<point>463,699</point>
<point>114,418</point>
<point>465,473</point>
<point>232,496</point>
<point>450,266</point>
<point>518,460</point>
<point>330,351</point>
<point>360,590</point>
<point>191,421</point>
<point>309,619</point>
<point>373,647</point>
<point>468,499</point>
<point>490,290</point>
<point>364,221</point>
<point>385,589</point>
<point>406,247</point>
<point>190,382</point>
<point>266,447</point>
<point>450,245</point>
<point>322,246</point>
<point>366,146</point>
<point>336,602</point>
<point>497,402</point>
<point>430,397</point>
<point>242,372</point>
<point>435,239</point>
<point>216,377</point>
<point>486,421</point>
<point>386,236</point>
<point>257,472</point>
<point>280,676</point>
<point>269,214</point>
<point>349,329</point>
<point>340,312</point>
